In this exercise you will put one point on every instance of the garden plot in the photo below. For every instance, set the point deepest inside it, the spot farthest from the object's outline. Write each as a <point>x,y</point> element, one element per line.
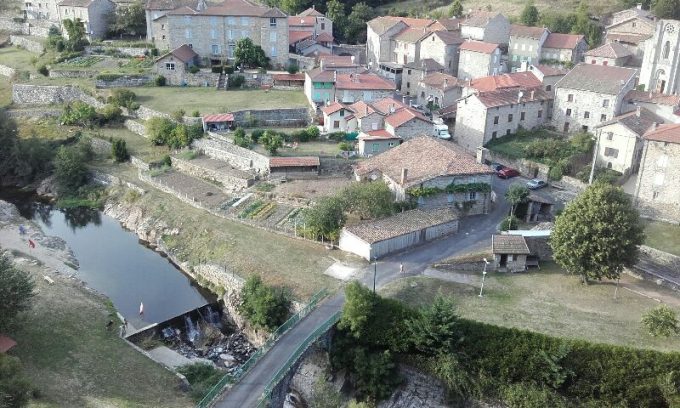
<point>192,188</point>
<point>311,189</point>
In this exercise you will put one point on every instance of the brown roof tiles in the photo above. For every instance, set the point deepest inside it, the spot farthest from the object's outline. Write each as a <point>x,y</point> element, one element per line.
<point>669,133</point>
<point>562,41</point>
<point>509,244</point>
<point>479,46</point>
<point>400,224</point>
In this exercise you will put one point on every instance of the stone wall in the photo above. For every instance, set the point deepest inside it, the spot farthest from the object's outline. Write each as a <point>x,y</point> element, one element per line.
<point>236,156</point>
<point>38,31</point>
<point>126,81</point>
<point>7,24</point>
<point>135,127</point>
<point>24,94</point>
<point>146,113</point>
<point>304,63</point>
<point>33,113</point>
<point>7,71</point>
<point>109,180</point>
<point>571,183</point>
<point>293,117</point>
<point>528,168</point>
<point>358,51</point>
<point>129,51</point>
<point>27,43</point>
<point>231,181</point>
<point>103,147</point>
<point>71,73</point>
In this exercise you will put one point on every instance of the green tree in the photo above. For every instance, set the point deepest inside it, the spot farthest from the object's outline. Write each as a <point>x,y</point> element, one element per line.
<point>130,20</point>
<point>662,321</point>
<point>119,150</point>
<point>325,218</point>
<point>584,25</point>
<point>335,11</point>
<point>355,27</point>
<point>375,374</point>
<point>666,8</point>
<point>324,394</point>
<point>14,388</point>
<point>357,313</point>
<point>241,139</point>
<point>16,291</point>
<point>516,195</point>
<point>292,7</point>
<point>123,98</point>
<point>529,15</point>
<point>271,141</point>
<point>598,234</point>
<point>159,130</point>
<point>264,306</point>
<point>76,34</point>
<point>249,54</point>
<point>434,329</point>
<point>456,9</point>
<point>459,384</point>
<point>70,167</point>
<point>179,137</point>
<point>79,113</point>
<point>368,200</point>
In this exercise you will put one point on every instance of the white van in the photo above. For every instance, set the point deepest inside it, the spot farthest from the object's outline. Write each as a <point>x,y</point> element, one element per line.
<point>442,132</point>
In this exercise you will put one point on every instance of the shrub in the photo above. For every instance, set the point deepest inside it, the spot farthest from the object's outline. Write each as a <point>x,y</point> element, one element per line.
<point>123,97</point>
<point>166,161</point>
<point>15,389</point>
<point>264,306</point>
<point>42,70</point>
<point>159,130</point>
<point>202,378</point>
<point>271,141</point>
<point>346,146</point>
<point>108,77</point>
<point>337,136</point>
<point>78,113</point>
<point>530,396</point>
<point>509,223</point>
<point>236,81</point>
<point>119,150</point>
<point>293,68</point>
<point>228,69</point>
<point>70,166</point>
<point>154,51</point>
<point>313,132</point>
<point>160,80</point>
<point>110,114</point>
<point>194,69</point>
<point>582,142</point>
<point>662,321</point>
<point>196,114</point>
<point>325,218</point>
<point>178,115</point>
<point>256,134</point>
<point>240,138</point>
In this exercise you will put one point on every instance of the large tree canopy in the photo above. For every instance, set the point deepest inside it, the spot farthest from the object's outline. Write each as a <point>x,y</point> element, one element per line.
<point>16,291</point>
<point>249,54</point>
<point>598,233</point>
<point>130,20</point>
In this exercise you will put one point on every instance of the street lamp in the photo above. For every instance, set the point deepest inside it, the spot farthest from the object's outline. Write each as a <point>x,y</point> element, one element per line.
<point>481,290</point>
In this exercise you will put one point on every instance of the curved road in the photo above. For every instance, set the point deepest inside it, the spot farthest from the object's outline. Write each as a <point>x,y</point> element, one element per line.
<point>473,232</point>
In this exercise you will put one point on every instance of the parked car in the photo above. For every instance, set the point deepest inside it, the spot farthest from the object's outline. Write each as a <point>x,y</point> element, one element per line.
<point>496,167</point>
<point>507,172</point>
<point>535,184</point>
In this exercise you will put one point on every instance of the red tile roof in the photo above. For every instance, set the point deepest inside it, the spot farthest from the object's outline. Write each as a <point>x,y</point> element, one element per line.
<point>232,8</point>
<point>380,134</point>
<point>288,77</point>
<point>321,75</point>
<point>324,37</point>
<point>551,70</point>
<point>6,343</point>
<point>220,117</point>
<point>653,97</point>
<point>403,116</point>
<point>183,53</point>
<point>514,80</point>
<point>337,61</point>
<point>597,78</point>
<point>387,105</point>
<point>479,18</point>
<point>384,23</point>
<point>609,50</point>
<point>297,36</point>
<point>665,133</point>
<point>412,35</point>
<point>311,12</point>
<point>441,81</point>
<point>361,109</point>
<point>536,33</point>
<point>332,108</point>
<point>509,96</point>
<point>449,37</point>
<point>450,24</point>
<point>628,38</point>
<point>425,158</point>
<point>364,81</point>
<point>562,41</point>
<point>479,46</point>
<point>304,161</point>
<point>301,21</point>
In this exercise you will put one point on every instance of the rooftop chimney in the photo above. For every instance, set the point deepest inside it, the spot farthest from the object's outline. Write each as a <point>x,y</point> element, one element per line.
<point>352,58</point>
<point>321,64</point>
<point>651,94</point>
<point>520,94</point>
<point>655,126</point>
<point>335,76</point>
<point>403,99</point>
<point>404,174</point>
<point>391,108</point>
<point>532,94</point>
<point>637,111</point>
<point>446,83</point>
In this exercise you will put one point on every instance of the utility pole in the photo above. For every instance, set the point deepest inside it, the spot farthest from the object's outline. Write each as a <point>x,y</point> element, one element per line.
<point>481,290</point>
<point>592,168</point>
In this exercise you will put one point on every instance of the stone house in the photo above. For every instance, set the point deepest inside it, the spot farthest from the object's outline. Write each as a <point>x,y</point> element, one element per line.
<point>366,117</point>
<point>486,26</point>
<point>376,141</point>
<point>154,9</point>
<point>336,117</point>
<point>93,13</point>
<point>479,59</point>
<point>442,47</point>
<point>667,107</point>
<point>590,95</point>
<point>660,70</point>
<point>619,141</point>
<point>41,10</point>
<point>212,31</point>
<point>380,37</point>
<point>441,90</point>
<point>613,54</point>
<point>350,88</point>
<point>434,173</point>
<point>631,28</point>
<point>175,65</point>
<point>415,71</point>
<point>564,48</point>
<point>407,123</point>
<point>657,194</point>
<point>494,107</point>
<point>407,45</point>
<point>549,75</point>
<point>320,86</point>
<point>509,253</point>
<point>310,30</point>
<point>526,44</point>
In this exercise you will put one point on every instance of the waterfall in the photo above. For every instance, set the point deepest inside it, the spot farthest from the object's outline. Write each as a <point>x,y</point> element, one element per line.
<point>192,333</point>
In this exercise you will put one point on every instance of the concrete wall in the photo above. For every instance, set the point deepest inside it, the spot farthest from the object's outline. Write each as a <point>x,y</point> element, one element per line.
<point>238,157</point>
<point>27,43</point>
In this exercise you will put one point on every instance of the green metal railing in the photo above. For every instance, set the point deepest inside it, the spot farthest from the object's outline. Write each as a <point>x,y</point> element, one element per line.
<point>266,395</point>
<point>228,379</point>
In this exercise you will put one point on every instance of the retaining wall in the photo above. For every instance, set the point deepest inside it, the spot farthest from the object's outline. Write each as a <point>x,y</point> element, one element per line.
<point>227,180</point>
<point>39,31</point>
<point>33,113</point>
<point>146,113</point>
<point>135,127</point>
<point>25,94</point>
<point>129,51</point>
<point>109,180</point>
<point>127,81</point>
<point>7,71</point>
<point>528,168</point>
<point>27,43</point>
<point>7,24</point>
<point>292,117</point>
<point>71,74</point>
<point>238,157</point>
<point>572,183</point>
<point>103,147</point>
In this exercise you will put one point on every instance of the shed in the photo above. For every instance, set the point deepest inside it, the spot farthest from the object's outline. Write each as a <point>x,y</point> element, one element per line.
<point>539,208</point>
<point>6,343</point>
<point>289,80</point>
<point>375,239</point>
<point>509,252</point>
<point>219,122</point>
<point>295,166</point>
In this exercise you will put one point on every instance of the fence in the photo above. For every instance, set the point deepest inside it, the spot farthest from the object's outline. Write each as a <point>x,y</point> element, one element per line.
<point>266,395</point>
<point>228,379</point>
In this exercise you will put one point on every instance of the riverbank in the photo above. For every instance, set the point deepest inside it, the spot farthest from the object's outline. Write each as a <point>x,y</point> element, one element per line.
<point>66,350</point>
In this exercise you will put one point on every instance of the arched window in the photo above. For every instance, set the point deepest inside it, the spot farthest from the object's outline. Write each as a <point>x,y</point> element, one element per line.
<point>666,49</point>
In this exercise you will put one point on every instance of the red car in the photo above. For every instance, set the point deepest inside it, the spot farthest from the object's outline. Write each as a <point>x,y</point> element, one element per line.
<point>507,173</point>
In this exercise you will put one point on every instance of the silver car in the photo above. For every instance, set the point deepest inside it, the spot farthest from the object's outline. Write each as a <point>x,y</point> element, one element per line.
<point>535,184</point>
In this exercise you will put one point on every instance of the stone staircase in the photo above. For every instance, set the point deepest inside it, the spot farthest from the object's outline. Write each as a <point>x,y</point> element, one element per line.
<point>222,82</point>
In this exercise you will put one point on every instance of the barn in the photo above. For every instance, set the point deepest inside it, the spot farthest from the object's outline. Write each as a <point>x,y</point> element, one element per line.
<point>376,239</point>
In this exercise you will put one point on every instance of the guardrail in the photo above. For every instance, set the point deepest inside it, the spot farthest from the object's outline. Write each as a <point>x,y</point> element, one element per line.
<point>266,395</point>
<point>228,379</point>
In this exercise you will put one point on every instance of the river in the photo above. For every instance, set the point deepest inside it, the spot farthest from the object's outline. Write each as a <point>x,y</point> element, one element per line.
<point>115,263</point>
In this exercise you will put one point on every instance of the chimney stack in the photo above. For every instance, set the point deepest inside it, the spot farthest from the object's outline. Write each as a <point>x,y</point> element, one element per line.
<point>446,83</point>
<point>352,58</point>
<point>404,175</point>
<point>532,94</point>
<point>655,126</point>
<point>321,64</point>
<point>403,99</point>
<point>520,94</point>
<point>637,111</point>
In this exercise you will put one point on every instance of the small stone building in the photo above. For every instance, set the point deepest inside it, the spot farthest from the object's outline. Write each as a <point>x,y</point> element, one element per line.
<point>510,253</point>
<point>294,167</point>
<point>564,48</point>
<point>539,208</point>
<point>376,141</point>
<point>376,239</point>
<point>94,15</point>
<point>175,65</point>
<point>479,59</point>
<point>218,122</point>
<point>613,54</point>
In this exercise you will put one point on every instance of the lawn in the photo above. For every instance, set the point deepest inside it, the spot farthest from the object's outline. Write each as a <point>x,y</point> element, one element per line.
<point>73,361</point>
<point>136,144</point>
<point>547,301</point>
<point>5,92</point>
<point>316,148</point>
<point>17,58</point>
<point>209,100</point>
<point>663,236</point>
<point>513,146</point>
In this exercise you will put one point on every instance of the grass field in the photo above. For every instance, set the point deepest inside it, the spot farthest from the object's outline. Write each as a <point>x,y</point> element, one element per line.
<point>547,301</point>
<point>209,100</point>
<point>136,144</point>
<point>73,361</point>
<point>17,58</point>
<point>663,236</point>
<point>5,92</point>
<point>318,148</point>
<point>513,146</point>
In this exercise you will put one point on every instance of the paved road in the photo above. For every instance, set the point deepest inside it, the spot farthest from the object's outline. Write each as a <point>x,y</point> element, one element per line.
<point>474,231</point>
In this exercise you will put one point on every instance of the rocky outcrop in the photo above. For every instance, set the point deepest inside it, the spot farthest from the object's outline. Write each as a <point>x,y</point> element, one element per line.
<point>417,390</point>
